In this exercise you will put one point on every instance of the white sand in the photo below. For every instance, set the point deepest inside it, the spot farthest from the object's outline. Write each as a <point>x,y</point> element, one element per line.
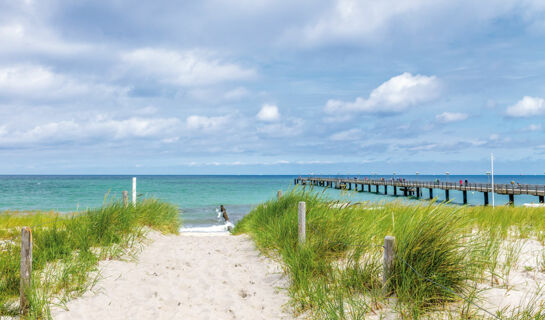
<point>191,276</point>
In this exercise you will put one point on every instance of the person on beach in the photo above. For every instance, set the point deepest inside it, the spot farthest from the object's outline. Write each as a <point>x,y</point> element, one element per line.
<point>224,213</point>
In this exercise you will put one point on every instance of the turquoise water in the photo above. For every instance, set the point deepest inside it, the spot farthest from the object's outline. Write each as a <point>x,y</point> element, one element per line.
<point>198,196</point>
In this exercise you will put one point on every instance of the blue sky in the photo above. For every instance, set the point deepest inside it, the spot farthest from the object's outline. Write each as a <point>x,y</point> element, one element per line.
<point>272,87</point>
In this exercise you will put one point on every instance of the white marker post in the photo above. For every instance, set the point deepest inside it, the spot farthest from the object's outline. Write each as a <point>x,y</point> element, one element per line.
<point>492,174</point>
<point>134,191</point>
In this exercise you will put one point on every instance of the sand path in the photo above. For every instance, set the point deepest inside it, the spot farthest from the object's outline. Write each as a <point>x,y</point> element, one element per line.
<point>190,276</point>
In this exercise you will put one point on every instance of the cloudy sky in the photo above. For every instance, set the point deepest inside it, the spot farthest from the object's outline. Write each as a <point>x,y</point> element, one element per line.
<point>271,86</point>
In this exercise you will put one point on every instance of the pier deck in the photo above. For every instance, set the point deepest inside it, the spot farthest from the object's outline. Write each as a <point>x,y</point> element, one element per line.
<point>415,188</point>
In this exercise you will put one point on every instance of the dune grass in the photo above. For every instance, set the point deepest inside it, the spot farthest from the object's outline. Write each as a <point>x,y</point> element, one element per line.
<point>337,273</point>
<point>68,247</point>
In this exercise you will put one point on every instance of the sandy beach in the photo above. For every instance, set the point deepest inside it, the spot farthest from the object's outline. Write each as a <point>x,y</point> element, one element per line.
<point>190,276</point>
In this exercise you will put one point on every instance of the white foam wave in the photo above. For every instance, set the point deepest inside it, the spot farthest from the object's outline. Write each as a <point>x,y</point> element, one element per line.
<point>217,228</point>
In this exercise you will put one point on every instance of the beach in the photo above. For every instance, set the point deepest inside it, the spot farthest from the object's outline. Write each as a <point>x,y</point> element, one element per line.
<point>186,276</point>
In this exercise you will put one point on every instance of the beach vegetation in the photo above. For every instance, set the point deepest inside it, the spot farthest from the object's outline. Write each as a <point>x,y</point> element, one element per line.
<point>446,256</point>
<point>68,247</point>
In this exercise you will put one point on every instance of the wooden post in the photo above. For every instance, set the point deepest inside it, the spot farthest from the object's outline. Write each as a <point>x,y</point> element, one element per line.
<point>134,191</point>
<point>26,268</point>
<point>302,221</point>
<point>464,193</point>
<point>279,194</point>
<point>125,198</point>
<point>485,198</point>
<point>389,245</point>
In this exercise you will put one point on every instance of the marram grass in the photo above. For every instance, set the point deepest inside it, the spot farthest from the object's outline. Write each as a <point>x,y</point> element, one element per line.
<point>337,273</point>
<point>66,248</point>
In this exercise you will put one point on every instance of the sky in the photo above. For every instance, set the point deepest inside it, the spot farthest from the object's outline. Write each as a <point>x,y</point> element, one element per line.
<point>272,86</point>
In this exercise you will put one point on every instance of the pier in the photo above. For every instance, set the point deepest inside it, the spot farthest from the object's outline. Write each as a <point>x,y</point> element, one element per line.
<point>417,188</point>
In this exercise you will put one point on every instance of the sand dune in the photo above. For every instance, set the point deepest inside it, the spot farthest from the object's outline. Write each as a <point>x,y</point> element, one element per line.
<point>191,276</point>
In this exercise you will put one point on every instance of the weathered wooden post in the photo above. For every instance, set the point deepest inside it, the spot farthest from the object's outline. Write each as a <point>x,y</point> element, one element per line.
<point>279,194</point>
<point>389,245</point>
<point>302,221</point>
<point>26,268</point>
<point>134,191</point>
<point>125,198</point>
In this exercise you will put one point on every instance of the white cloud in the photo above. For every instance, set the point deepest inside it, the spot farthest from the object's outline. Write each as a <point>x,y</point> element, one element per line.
<point>98,129</point>
<point>366,21</point>
<point>527,107</point>
<point>288,128</point>
<point>18,37</point>
<point>269,113</point>
<point>185,68</point>
<point>393,96</point>
<point>533,127</point>
<point>196,122</point>
<point>31,81</point>
<point>352,134</point>
<point>446,117</point>
<point>236,93</point>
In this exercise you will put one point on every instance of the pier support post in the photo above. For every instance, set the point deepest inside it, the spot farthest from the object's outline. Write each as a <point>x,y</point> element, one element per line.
<point>385,189</point>
<point>447,195</point>
<point>302,221</point>
<point>395,190</point>
<point>376,188</point>
<point>418,192</point>
<point>464,193</point>
<point>485,198</point>
<point>405,192</point>
<point>26,269</point>
<point>350,186</point>
<point>125,198</point>
<point>511,199</point>
<point>389,245</point>
<point>541,199</point>
<point>431,193</point>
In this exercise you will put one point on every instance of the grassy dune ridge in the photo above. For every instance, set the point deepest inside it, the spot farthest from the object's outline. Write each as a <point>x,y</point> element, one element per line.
<point>337,273</point>
<point>67,247</point>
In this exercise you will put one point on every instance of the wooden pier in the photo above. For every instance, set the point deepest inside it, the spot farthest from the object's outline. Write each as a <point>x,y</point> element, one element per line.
<point>416,188</point>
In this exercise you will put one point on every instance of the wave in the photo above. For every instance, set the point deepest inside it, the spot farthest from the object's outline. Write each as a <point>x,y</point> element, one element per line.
<point>215,228</point>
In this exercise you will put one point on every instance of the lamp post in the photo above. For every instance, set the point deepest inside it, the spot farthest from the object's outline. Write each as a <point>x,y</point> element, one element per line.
<point>488,177</point>
<point>447,174</point>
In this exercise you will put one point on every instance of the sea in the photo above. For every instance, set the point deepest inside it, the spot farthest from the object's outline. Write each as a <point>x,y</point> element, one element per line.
<point>198,197</point>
